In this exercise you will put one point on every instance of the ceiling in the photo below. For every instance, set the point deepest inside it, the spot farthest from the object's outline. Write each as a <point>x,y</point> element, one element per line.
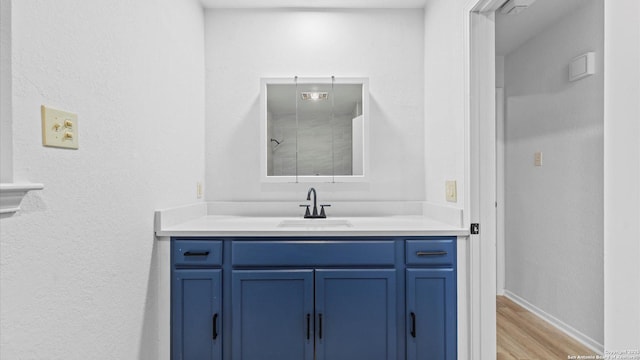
<point>382,4</point>
<point>511,30</point>
<point>514,30</point>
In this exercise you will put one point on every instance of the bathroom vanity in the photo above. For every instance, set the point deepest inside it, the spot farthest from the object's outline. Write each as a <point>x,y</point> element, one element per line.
<point>287,288</point>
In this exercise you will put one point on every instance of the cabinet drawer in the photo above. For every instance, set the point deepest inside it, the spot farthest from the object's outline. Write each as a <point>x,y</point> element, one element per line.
<point>197,253</point>
<point>437,252</point>
<point>313,253</point>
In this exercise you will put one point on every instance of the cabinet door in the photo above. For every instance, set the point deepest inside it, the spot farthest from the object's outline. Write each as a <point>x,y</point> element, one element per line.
<point>356,314</point>
<point>272,314</point>
<point>431,314</point>
<point>196,314</point>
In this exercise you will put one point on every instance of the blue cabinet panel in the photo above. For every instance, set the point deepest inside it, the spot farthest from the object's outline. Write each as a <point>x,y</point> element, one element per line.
<point>272,314</point>
<point>313,253</point>
<point>196,315</point>
<point>356,314</point>
<point>436,252</point>
<point>197,253</point>
<point>431,314</point>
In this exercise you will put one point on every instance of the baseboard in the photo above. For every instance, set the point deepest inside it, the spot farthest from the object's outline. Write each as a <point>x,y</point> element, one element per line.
<point>559,324</point>
<point>501,292</point>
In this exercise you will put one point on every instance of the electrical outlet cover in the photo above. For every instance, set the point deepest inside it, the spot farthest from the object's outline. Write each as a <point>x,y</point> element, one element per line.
<point>59,128</point>
<point>451,191</point>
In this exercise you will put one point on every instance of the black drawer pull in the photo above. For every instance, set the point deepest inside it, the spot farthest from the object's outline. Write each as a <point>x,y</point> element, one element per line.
<point>214,330</point>
<point>431,253</point>
<point>196,253</point>
<point>320,326</point>
<point>308,326</point>
<point>413,324</point>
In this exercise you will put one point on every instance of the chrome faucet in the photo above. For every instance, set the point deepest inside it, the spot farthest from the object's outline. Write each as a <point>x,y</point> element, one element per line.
<point>314,215</point>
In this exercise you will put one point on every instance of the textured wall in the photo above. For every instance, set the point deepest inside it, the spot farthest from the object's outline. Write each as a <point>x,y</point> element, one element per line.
<point>622,176</point>
<point>444,133</point>
<point>384,45</point>
<point>554,213</point>
<point>75,264</point>
<point>6,153</point>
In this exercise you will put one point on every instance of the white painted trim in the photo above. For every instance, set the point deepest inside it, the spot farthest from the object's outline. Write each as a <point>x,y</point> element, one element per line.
<point>11,196</point>
<point>479,103</point>
<point>489,6</point>
<point>463,297</point>
<point>557,323</point>
<point>471,188</point>
<point>500,193</point>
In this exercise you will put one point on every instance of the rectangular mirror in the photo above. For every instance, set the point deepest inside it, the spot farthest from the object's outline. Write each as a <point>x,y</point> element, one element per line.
<point>314,129</point>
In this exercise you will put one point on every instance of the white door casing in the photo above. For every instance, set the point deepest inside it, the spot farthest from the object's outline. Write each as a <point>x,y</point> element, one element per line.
<point>480,111</point>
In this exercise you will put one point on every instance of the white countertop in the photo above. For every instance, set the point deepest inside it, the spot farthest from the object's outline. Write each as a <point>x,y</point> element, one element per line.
<point>223,225</point>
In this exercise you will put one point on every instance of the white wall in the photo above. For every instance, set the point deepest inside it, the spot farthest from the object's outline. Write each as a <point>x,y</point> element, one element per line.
<point>622,176</point>
<point>75,262</point>
<point>444,134</point>
<point>384,45</point>
<point>6,151</point>
<point>554,213</point>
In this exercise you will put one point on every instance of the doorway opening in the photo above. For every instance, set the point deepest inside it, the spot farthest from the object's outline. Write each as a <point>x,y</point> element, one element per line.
<point>549,177</point>
<point>545,134</point>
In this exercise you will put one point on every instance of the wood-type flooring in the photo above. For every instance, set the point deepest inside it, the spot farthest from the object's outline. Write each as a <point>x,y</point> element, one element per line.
<point>524,336</point>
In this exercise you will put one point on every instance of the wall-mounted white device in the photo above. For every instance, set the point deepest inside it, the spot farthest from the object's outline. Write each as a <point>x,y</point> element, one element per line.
<point>515,6</point>
<point>581,66</point>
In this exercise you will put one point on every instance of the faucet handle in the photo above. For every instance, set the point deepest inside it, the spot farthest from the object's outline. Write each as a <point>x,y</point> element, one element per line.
<point>322,214</point>
<point>306,213</point>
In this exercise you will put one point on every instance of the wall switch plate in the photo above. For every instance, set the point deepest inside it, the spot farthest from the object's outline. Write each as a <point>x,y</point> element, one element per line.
<point>198,190</point>
<point>537,158</point>
<point>451,191</point>
<point>59,128</point>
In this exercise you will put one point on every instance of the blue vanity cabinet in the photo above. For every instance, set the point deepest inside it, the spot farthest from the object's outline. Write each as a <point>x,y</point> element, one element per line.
<point>196,314</point>
<point>323,299</point>
<point>272,314</point>
<point>431,300</point>
<point>356,314</point>
<point>314,298</point>
<point>196,300</point>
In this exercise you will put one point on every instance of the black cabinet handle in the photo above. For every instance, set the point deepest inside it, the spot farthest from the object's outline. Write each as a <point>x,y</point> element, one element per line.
<point>413,324</point>
<point>320,326</point>
<point>308,326</point>
<point>215,326</point>
<point>431,253</point>
<point>196,253</point>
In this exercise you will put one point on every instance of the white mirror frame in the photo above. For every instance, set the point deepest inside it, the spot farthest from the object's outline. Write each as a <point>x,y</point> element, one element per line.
<point>314,179</point>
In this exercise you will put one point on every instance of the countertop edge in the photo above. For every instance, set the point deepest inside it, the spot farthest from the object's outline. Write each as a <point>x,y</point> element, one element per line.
<point>310,233</point>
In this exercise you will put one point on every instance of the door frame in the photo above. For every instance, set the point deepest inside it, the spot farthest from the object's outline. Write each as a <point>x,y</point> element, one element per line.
<point>480,139</point>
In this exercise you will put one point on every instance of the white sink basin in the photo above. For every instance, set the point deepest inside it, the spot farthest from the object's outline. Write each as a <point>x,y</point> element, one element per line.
<point>314,223</point>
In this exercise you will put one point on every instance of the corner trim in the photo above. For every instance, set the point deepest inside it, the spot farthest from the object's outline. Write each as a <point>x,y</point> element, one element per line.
<point>11,195</point>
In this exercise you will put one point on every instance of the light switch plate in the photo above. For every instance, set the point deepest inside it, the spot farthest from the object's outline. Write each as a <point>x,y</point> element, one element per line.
<point>198,190</point>
<point>59,128</point>
<point>451,191</point>
<point>537,158</point>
